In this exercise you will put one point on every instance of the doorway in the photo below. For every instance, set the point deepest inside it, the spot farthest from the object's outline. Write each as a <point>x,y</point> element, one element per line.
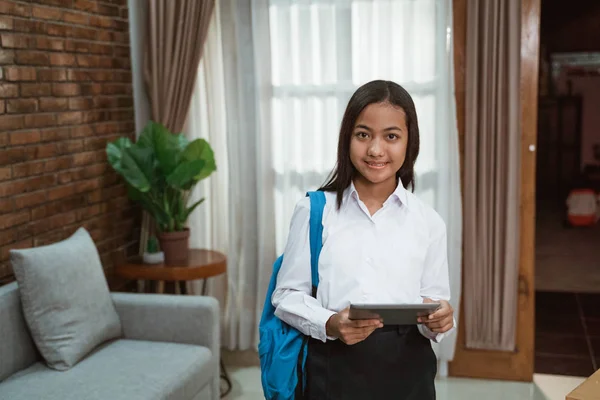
<point>567,280</point>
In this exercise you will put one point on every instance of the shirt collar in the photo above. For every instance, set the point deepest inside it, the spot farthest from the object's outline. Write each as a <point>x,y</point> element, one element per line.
<point>399,193</point>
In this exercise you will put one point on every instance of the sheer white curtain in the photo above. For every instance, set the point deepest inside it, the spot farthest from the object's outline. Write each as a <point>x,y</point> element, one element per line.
<point>321,52</point>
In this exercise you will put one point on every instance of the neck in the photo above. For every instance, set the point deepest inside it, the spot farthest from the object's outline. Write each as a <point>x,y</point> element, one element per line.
<point>379,192</point>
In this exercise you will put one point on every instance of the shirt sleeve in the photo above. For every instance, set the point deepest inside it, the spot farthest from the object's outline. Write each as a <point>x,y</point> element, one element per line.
<point>292,297</point>
<point>435,282</point>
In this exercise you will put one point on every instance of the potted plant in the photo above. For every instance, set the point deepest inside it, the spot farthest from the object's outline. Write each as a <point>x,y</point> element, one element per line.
<point>160,171</point>
<point>153,255</point>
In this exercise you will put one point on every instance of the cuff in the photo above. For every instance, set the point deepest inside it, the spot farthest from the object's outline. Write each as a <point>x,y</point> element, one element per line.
<point>435,337</point>
<point>319,320</point>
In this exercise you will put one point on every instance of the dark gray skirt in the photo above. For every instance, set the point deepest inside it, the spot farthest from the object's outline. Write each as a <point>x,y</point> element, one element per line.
<point>394,362</point>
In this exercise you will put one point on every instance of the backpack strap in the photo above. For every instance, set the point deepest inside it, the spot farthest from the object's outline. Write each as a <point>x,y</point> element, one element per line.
<point>317,204</point>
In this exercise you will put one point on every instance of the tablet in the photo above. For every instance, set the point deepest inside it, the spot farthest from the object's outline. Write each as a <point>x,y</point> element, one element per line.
<point>393,314</point>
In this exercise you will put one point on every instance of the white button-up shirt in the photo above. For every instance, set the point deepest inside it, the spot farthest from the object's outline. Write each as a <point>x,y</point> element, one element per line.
<point>396,256</point>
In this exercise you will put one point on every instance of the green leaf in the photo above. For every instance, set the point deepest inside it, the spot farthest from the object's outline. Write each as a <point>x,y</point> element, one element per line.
<point>185,174</point>
<point>114,152</point>
<point>138,167</point>
<point>165,145</point>
<point>192,208</point>
<point>199,149</point>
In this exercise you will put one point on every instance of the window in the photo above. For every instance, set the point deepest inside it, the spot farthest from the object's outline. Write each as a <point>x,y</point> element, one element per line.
<point>321,52</point>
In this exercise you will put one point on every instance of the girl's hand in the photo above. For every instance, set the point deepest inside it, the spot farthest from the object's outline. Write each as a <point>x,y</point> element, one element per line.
<point>350,331</point>
<point>442,320</point>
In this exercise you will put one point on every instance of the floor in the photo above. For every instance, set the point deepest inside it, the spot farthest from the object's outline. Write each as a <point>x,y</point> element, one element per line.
<point>246,386</point>
<point>567,259</point>
<point>567,333</point>
<point>245,375</point>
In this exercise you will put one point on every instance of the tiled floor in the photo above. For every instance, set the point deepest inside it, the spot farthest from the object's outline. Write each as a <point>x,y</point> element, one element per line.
<point>246,386</point>
<point>567,259</point>
<point>567,333</point>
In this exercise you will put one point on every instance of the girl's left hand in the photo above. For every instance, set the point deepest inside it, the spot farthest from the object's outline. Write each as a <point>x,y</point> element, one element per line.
<point>441,320</point>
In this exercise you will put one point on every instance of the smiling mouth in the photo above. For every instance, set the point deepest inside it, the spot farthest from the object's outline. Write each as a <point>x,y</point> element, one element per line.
<point>377,165</point>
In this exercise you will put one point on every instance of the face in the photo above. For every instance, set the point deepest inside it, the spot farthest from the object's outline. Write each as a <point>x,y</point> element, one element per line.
<point>378,143</point>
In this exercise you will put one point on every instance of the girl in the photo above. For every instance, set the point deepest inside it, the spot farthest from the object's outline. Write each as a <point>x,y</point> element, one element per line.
<point>381,244</point>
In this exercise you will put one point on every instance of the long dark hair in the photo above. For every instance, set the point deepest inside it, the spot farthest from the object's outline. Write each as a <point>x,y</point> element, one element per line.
<point>374,92</point>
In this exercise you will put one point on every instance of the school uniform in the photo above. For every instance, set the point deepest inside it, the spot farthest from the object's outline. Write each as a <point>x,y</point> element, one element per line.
<point>398,255</point>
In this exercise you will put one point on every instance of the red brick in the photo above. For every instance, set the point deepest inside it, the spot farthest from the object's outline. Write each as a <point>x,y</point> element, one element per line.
<point>61,192</point>
<point>39,120</point>
<point>6,23</point>
<point>47,43</point>
<point>106,9</point>
<point>2,106</point>
<point>88,212</point>
<point>5,173</point>
<point>86,5</point>
<point>54,104</point>
<point>55,30</point>
<point>76,18</point>
<point>16,155</point>
<point>24,137</point>
<point>94,61</point>
<point>7,57</point>
<point>46,151</point>
<point>28,169</point>
<point>80,103</point>
<point>30,200</point>
<point>11,122</point>
<point>62,59</point>
<point>14,41</point>
<point>4,139</point>
<point>32,58</point>
<point>124,13</point>
<point>12,188</point>
<point>89,157</point>
<point>18,106</point>
<point>69,118</point>
<point>121,51</point>
<point>65,177</point>
<point>57,164</point>
<point>12,8</point>
<point>84,33</point>
<point>47,13</point>
<point>6,206</point>
<point>54,134</point>
<point>82,131</point>
<point>20,73</point>
<point>8,90</point>
<point>35,89</point>
<point>102,22</point>
<point>54,222</point>
<point>50,238</point>
<point>66,89</point>
<point>71,146</point>
<point>52,75</point>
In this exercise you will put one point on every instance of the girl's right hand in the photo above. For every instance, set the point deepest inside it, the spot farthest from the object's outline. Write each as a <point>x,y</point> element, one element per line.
<point>350,331</point>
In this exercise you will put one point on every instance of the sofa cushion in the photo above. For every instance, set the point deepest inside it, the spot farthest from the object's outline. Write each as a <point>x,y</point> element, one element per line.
<point>122,369</point>
<point>65,297</point>
<point>17,350</point>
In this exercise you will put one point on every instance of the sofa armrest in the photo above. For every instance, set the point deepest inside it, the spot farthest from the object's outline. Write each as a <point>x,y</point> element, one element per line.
<point>170,318</point>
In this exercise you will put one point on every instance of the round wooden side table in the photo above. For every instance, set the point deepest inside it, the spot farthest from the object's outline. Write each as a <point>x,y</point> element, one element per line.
<point>202,264</point>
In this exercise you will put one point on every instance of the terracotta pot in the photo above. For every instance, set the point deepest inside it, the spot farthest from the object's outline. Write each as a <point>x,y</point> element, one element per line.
<point>176,247</point>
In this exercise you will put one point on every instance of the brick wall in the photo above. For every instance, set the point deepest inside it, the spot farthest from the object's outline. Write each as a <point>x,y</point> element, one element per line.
<point>65,90</point>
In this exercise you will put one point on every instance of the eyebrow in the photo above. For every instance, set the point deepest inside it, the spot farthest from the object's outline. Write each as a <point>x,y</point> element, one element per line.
<point>391,128</point>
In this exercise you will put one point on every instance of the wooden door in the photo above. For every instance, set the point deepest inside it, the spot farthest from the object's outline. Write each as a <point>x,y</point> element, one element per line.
<point>517,365</point>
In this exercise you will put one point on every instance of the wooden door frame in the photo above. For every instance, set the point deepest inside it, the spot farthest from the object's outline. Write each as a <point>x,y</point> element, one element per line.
<point>516,365</point>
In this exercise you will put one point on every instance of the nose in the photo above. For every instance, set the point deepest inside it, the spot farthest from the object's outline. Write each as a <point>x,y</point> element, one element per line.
<point>375,149</point>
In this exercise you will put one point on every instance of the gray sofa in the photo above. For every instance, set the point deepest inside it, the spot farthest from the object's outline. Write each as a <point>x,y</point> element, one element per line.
<point>169,349</point>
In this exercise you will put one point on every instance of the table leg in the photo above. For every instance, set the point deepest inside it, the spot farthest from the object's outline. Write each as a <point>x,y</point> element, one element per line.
<point>160,287</point>
<point>182,286</point>
<point>225,377</point>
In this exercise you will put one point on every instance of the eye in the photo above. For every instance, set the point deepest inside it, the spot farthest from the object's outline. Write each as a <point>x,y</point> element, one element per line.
<point>362,135</point>
<point>393,136</point>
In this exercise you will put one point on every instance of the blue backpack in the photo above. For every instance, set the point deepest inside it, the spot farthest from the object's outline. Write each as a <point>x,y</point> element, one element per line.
<point>282,349</point>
